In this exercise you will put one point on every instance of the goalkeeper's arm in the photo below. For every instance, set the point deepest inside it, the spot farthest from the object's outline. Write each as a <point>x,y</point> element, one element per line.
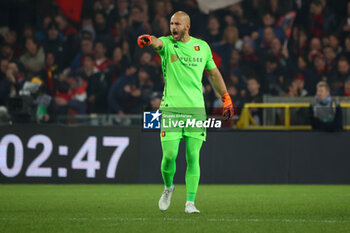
<point>150,41</point>
<point>220,87</point>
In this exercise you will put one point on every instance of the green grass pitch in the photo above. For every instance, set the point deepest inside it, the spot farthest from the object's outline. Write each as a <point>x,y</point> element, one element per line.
<point>134,208</point>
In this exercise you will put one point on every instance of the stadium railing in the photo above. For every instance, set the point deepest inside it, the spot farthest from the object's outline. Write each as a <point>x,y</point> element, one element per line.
<point>247,121</point>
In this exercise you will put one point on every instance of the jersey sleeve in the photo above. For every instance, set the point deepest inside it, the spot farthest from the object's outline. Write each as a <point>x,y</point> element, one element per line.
<point>210,64</point>
<point>165,40</point>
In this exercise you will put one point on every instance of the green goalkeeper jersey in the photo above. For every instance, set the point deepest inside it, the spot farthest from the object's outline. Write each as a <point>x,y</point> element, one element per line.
<point>183,64</point>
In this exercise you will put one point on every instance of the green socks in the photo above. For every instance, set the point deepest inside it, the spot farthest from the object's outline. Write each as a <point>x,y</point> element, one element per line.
<point>168,166</point>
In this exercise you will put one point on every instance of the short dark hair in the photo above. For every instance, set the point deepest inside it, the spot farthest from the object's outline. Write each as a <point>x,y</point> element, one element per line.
<point>316,2</point>
<point>90,56</point>
<point>100,42</point>
<point>343,59</point>
<point>252,76</point>
<point>101,12</point>
<point>137,7</point>
<point>329,47</point>
<point>268,12</point>
<point>323,84</point>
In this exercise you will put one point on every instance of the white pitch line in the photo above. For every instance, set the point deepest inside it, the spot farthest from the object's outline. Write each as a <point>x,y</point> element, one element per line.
<point>185,220</point>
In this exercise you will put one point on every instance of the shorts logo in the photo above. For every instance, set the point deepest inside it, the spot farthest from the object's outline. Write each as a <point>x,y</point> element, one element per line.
<point>163,134</point>
<point>196,47</point>
<point>151,120</point>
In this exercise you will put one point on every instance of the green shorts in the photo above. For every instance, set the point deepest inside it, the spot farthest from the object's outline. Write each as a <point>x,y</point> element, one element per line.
<point>172,129</point>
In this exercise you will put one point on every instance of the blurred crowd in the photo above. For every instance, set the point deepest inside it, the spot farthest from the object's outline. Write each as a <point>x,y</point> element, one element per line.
<point>95,66</point>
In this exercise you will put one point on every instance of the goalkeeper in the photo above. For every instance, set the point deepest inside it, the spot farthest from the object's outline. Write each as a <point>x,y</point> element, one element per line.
<point>184,59</point>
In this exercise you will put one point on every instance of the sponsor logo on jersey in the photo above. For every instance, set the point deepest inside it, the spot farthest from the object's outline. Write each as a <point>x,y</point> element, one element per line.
<point>174,58</point>
<point>191,59</point>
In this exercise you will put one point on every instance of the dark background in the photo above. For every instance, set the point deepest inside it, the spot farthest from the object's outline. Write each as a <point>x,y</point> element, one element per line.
<point>244,157</point>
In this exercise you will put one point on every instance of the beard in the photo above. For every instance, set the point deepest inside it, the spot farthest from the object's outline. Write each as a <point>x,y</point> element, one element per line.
<point>179,35</point>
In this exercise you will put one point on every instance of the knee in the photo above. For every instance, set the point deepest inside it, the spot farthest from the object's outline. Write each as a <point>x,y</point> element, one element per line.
<point>192,161</point>
<point>169,156</point>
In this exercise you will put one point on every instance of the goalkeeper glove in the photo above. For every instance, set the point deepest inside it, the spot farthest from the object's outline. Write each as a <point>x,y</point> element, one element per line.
<point>228,106</point>
<point>144,40</point>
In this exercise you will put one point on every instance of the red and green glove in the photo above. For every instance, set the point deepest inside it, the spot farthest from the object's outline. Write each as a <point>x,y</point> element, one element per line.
<point>144,40</point>
<point>228,106</point>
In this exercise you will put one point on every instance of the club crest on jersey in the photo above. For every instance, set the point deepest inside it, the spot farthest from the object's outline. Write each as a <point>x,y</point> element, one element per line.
<point>196,47</point>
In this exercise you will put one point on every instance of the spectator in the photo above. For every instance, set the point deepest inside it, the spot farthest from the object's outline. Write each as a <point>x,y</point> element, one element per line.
<point>274,79</point>
<point>245,26</point>
<point>15,76</point>
<point>146,61</point>
<point>53,43</point>
<point>88,30</point>
<point>34,57</point>
<point>117,96</point>
<point>233,64</point>
<point>101,61</point>
<point>335,43</point>
<point>250,61</point>
<point>101,28</point>
<point>254,96</point>
<point>5,84</point>
<point>50,74</point>
<point>315,44</point>
<point>270,21</point>
<point>123,8</point>
<point>346,88</point>
<point>299,43</point>
<point>331,61</point>
<point>306,74</point>
<point>311,55</point>
<point>321,20</point>
<point>276,49</point>
<point>117,33</point>
<point>343,72</point>
<point>131,93</point>
<point>325,114</point>
<point>292,88</point>
<point>86,47</point>
<point>29,32</point>
<point>65,27</point>
<point>345,24</point>
<point>214,33</point>
<point>7,52</point>
<point>300,85</point>
<point>96,86</point>
<point>161,27</point>
<point>229,42</point>
<point>137,25</point>
<point>346,52</point>
<point>319,66</point>
<point>77,96</point>
<point>108,8</point>
<point>267,39</point>
<point>117,68</point>
<point>277,7</point>
<point>11,46</point>
<point>41,34</point>
<point>159,10</point>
